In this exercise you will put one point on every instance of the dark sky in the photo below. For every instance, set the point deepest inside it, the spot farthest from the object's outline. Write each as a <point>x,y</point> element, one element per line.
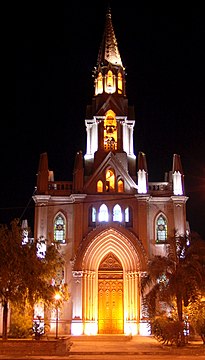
<point>51,51</point>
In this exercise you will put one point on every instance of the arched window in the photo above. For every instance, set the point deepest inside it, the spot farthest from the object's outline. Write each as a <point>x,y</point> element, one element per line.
<point>119,83</point>
<point>92,216</point>
<point>59,228</point>
<point>161,229</point>
<point>110,180</point>
<point>103,213</point>
<point>117,213</point>
<point>120,185</point>
<point>99,186</point>
<point>109,82</point>
<point>128,216</point>
<point>99,83</point>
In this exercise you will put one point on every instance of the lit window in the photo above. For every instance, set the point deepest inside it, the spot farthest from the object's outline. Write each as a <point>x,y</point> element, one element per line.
<point>120,185</point>
<point>110,82</point>
<point>110,131</point>
<point>99,186</point>
<point>128,216</point>
<point>59,229</point>
<point>117,213</point>
<point>119,80</point>
<point>161,228</point>
<point>110,180</point>
<point>93,214</point>
<point>103,213</point>
<point>99,83</point>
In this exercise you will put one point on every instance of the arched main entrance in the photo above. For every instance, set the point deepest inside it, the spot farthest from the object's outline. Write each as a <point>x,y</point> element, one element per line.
<point>110,296</point>
<point>106,293</point>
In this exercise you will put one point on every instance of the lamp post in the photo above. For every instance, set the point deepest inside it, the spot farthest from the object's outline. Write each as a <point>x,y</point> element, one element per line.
<point>57,298</point>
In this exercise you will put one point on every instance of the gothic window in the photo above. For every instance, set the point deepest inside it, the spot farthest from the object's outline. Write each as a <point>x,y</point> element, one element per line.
<point>92,216</point>
<point>117,213</point>
<point>120,185</point>
<point>109,82</point>
<point>128,216</point>
<point>103,213</point>
<point>119,80</point>
<point>59,228</point>
<point>99,83</point>
<point>110,180</point>
<point>161,229</point>
<point>99,186</point>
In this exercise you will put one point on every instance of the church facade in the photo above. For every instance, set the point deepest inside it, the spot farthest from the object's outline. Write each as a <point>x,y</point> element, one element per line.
<point>109,220</point>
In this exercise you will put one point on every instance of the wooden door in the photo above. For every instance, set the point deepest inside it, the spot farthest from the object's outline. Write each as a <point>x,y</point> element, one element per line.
<point>110,300</point>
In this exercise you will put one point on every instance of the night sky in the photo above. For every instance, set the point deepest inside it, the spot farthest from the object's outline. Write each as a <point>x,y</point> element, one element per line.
<point>51,50</point>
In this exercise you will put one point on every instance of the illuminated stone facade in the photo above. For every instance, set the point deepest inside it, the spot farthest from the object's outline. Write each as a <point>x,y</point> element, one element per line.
<point>109,220</point>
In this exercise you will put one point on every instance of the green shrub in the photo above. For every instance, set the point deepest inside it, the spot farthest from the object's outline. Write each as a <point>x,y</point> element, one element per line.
<point>21,322</point>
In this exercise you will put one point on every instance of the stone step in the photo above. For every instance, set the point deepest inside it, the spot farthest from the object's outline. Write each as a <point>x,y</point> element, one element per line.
<point>101,337</point>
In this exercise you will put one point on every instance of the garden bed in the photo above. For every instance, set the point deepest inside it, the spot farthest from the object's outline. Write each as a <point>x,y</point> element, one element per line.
<point>49,346</point>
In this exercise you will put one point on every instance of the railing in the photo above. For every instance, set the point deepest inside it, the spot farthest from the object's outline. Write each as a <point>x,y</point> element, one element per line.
<point>60,187</point>
<point>160,187</point>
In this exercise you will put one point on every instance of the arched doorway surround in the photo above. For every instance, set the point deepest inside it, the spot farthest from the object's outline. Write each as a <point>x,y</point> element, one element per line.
<point>94,248</point>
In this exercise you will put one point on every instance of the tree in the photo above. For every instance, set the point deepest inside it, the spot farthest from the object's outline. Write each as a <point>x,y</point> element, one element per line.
<point>196,315</point>
<point>24,276</point>
<point>178,276</point>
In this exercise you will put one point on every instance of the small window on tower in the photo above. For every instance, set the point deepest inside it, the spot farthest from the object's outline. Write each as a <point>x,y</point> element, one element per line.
<point>99,83</point>
<point>119,80</point>
<point>110,82</point>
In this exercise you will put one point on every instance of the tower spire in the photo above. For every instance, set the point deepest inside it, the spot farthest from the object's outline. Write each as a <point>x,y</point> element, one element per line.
<point>108,51</point>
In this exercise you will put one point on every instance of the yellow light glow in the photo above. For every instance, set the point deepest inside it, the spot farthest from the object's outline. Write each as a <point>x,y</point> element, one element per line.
<point>57,296</point>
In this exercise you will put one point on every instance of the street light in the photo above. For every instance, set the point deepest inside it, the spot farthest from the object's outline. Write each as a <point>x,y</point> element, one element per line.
<point>57,298</point>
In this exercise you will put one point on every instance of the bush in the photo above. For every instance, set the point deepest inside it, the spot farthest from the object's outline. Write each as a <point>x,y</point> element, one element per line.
<point>167,331</point>
<point>21,322</point>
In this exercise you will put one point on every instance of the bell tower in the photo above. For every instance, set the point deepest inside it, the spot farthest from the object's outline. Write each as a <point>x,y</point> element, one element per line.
<point>109,120</point>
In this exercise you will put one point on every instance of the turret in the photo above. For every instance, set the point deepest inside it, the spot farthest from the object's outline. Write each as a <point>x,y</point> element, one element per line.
<point>177,175</point>
<point>142,173</point>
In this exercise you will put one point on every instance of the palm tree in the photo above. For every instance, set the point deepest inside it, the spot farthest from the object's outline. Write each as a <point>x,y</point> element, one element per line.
<point>177,277</point>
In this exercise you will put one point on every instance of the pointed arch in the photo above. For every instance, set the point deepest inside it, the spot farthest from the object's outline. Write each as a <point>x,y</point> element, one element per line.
<point>110,180</point>
<point>92,216</point>
<point>117,213</point>
<point>128,216</point>
<point>120,185</point>
<point>161,228</point>
<point>99,186</point>
<point>114,241</point>
<point>59,228</point>
<point>119,83</point>
<point>103,214</point>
